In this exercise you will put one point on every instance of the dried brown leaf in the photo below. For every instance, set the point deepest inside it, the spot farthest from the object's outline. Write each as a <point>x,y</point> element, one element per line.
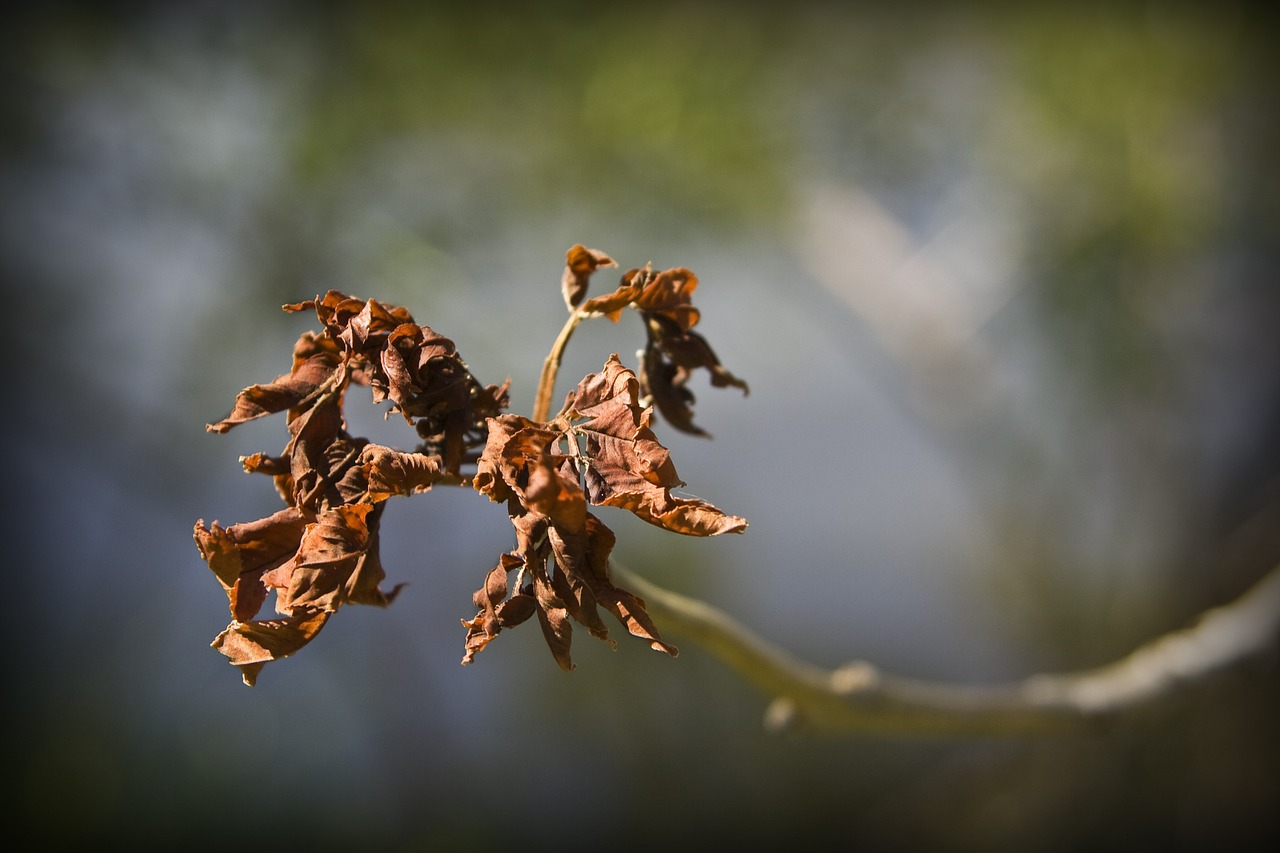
<point>239,555</point>
<point>251,645</point>
<point>667,294</point>
<point>319,370</point>
<point>553,616</point>
<point>388,473</point>
<point>520,460</point>
<point>626,465</point>
<point>628,608</point>
<point>331,547</point>
<point>490,599</point>
<point>669,359</point>
<point>580,263</point>
<point>673,351</point>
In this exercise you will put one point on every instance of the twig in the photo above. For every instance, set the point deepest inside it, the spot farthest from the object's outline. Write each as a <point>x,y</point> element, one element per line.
<point>859,698</point>
<point>551,366</point>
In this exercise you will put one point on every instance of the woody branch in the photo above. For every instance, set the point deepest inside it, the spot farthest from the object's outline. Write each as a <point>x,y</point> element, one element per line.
<point>858,698</point>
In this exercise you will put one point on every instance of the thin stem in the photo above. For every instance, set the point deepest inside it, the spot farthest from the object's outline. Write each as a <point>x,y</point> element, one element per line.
<point>550,367</point>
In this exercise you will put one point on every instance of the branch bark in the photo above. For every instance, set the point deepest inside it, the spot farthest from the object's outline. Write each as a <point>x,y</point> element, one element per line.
<point>857,697</point>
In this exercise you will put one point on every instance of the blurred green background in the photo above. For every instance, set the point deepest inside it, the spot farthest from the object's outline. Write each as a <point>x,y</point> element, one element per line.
<point>1002,278</point>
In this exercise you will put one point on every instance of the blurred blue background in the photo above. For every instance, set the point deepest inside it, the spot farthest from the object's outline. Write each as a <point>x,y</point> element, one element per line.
<point>1002,280</point>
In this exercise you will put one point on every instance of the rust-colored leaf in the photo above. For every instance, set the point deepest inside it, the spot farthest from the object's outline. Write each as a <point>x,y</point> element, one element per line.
<point>239,555</point>
<point>314,566</point>
<point>578,558</point>
<point>673,350</point>
<point>580,263</point>
<point>667,294</point>
<point>261,463</point>
<point>553,616</point>
<point>363,586</point>
<point>611,305</point>
<point>286,392</point>
<point>388,473</point>
<point>490,599</point>
<point>361,325</point>
<point>629,610</point>
<point>412,357</point>
<point>669,359</point>
<point>626,465</point>
<point>251,645</point>
<point>331,546</point>
<point>520,458</point>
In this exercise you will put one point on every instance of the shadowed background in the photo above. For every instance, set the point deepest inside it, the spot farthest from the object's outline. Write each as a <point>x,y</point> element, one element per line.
<point>1002,282</point>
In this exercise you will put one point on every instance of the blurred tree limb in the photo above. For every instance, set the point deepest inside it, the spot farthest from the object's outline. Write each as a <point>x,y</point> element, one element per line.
<point>859,698</point>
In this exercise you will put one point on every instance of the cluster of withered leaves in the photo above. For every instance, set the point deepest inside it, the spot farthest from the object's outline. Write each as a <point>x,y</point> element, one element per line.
<point>600,451</point>
<point>673,351</point>
<point>321,551</point>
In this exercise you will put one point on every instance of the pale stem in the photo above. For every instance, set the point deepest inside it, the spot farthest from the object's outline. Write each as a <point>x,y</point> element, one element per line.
<point>858,697</point>
<point>550,367</point>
